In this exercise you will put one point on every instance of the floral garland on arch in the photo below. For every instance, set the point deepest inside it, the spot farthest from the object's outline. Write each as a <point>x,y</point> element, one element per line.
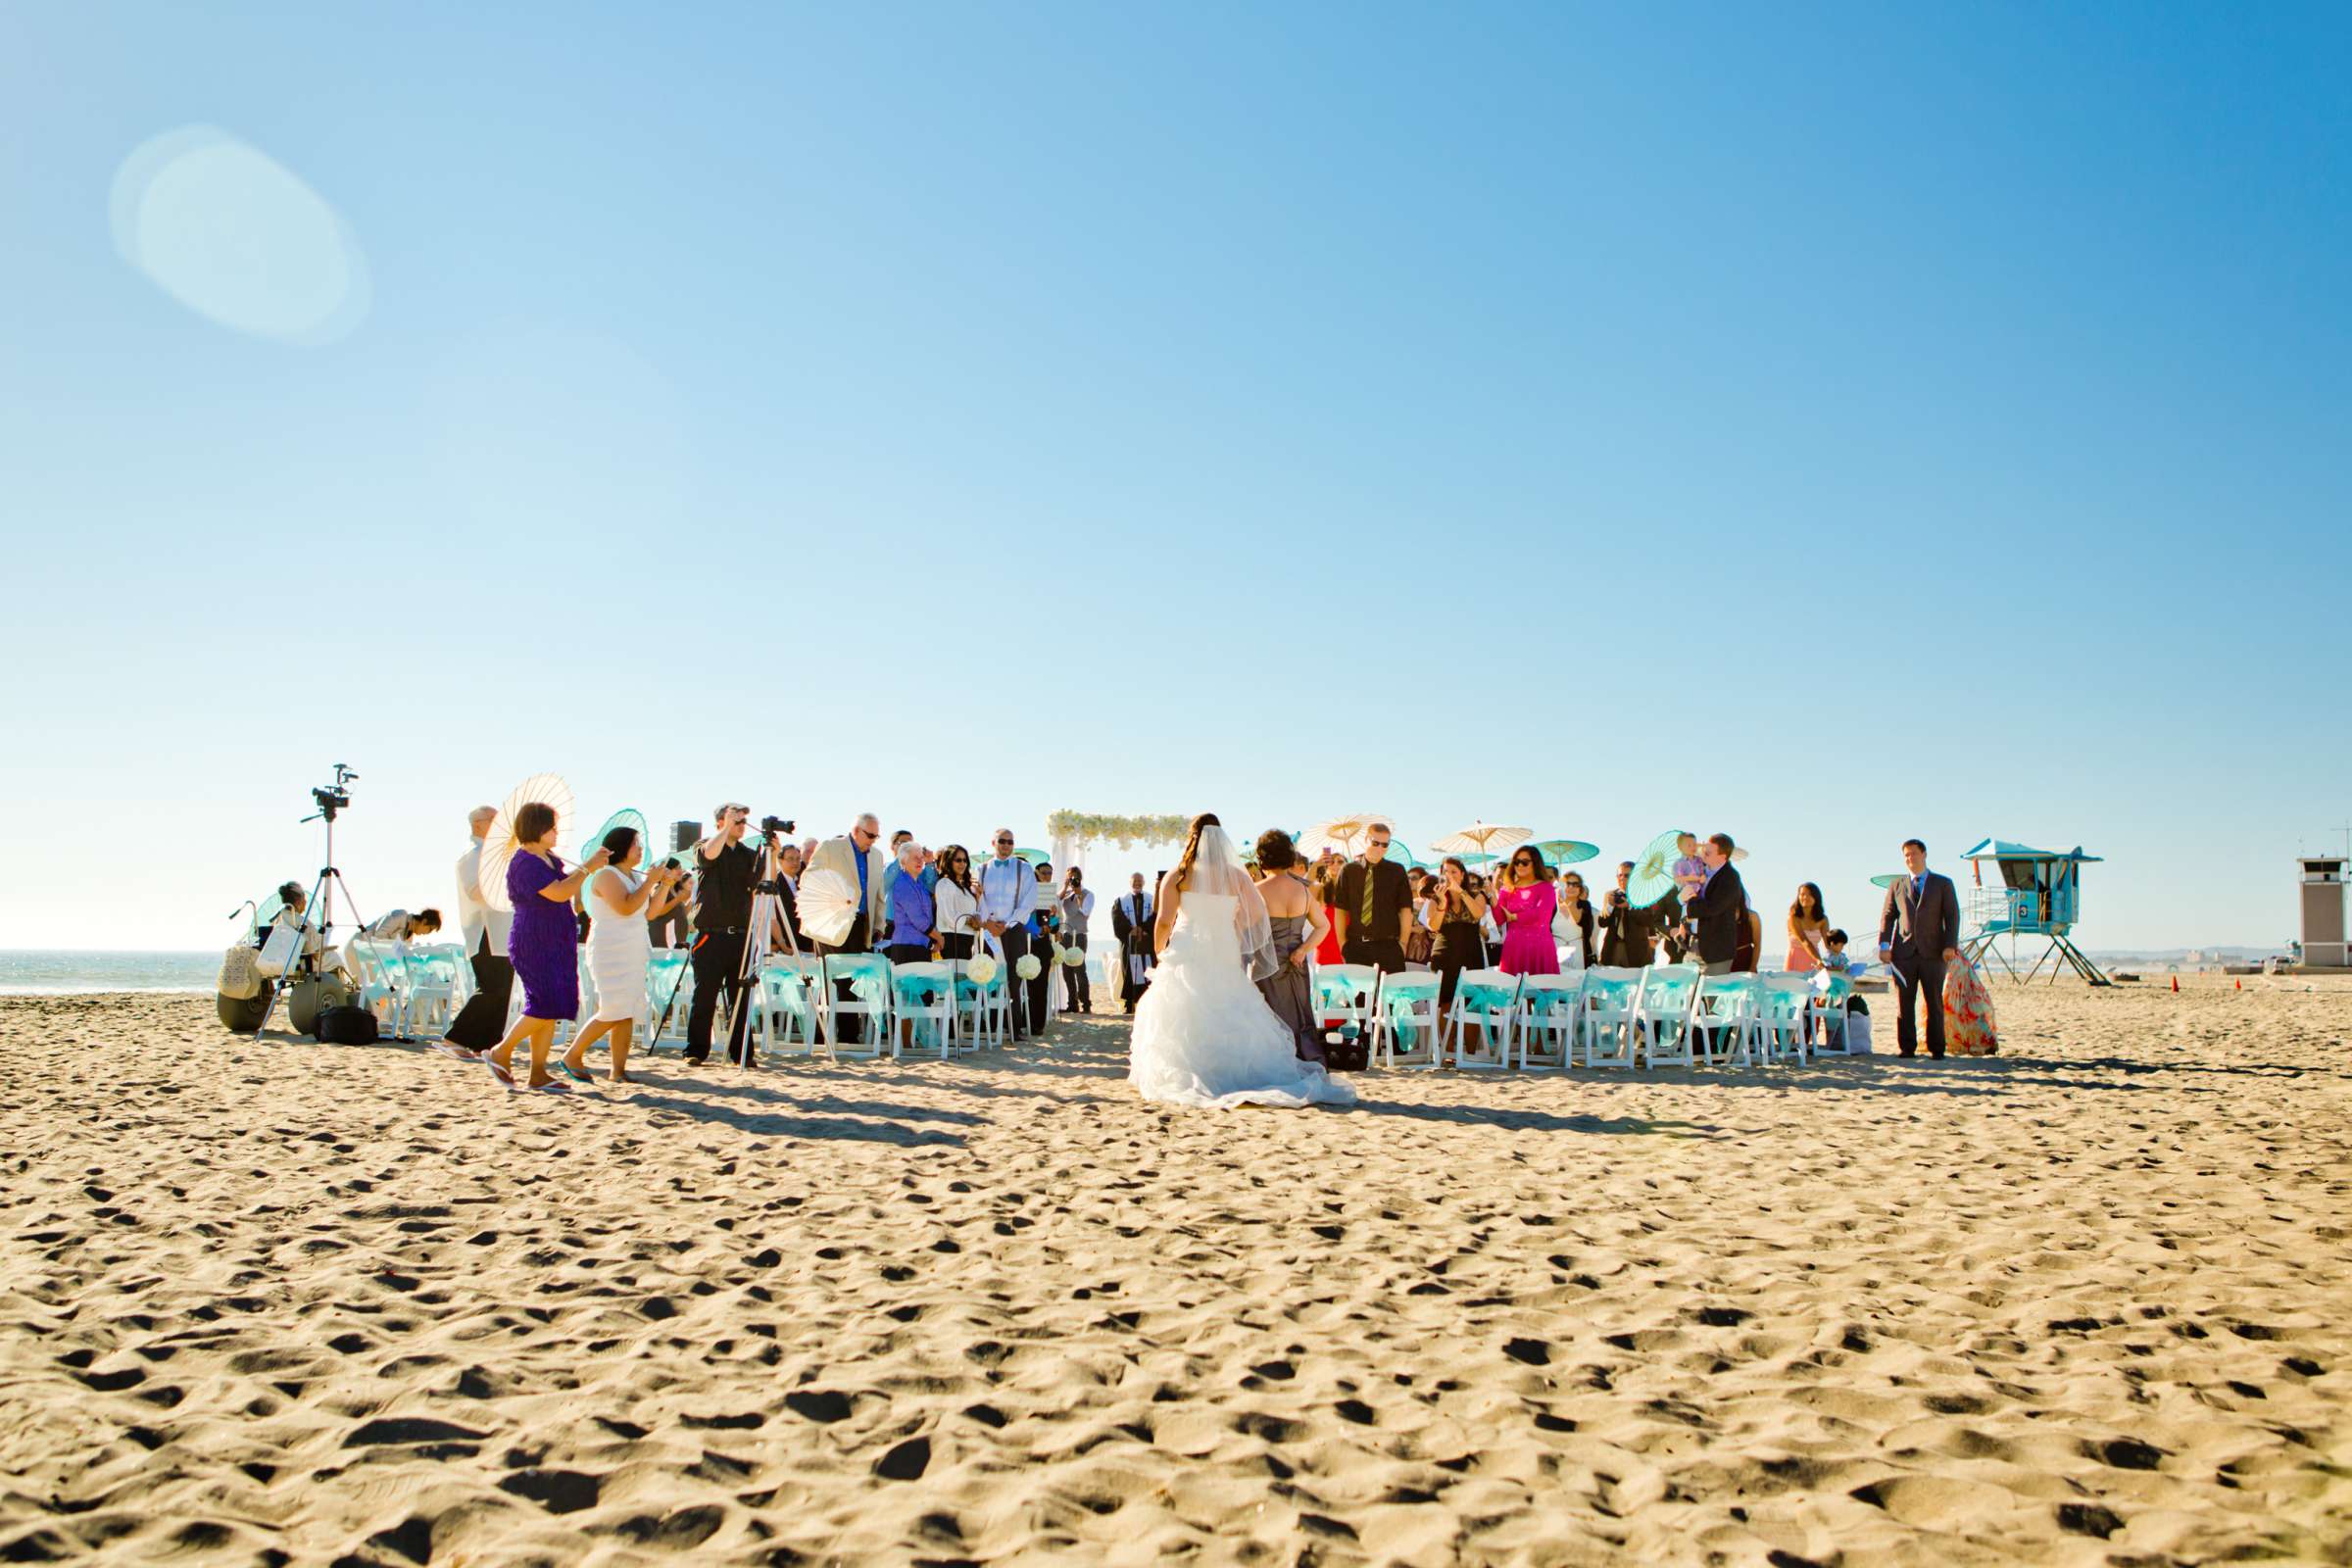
<point>1093,827</point>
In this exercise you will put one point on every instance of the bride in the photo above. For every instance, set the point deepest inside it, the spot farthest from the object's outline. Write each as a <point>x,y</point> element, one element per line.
<point>1203,1035</point>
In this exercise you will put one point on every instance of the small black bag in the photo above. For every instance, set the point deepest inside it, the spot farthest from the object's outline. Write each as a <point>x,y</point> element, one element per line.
<point>346,1027</point>
<point>1346,1050</point>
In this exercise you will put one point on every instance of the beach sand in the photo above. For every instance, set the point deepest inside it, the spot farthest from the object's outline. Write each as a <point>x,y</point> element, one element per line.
<point>2084,1303</point>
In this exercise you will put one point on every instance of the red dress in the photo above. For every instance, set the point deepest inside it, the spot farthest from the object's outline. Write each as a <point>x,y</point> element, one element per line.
<point>1328,951</point>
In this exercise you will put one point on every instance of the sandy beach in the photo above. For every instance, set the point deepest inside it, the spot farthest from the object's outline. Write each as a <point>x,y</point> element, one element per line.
<point>272,1301</point>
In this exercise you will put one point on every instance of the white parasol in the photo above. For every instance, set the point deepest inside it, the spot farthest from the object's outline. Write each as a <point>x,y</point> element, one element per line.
<point>499,843</point>
<point>1340,833</point>
<point>1483,837</point>
<point>828,907</point>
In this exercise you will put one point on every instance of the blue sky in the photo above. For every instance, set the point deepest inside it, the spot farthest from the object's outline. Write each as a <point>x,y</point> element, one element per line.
<point>1825,423</point>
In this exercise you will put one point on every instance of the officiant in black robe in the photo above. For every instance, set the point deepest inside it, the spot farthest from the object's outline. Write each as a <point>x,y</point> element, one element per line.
<point>1131,923</point>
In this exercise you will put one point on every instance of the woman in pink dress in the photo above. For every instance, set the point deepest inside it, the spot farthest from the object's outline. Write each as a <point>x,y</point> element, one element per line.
<point>1808,930</point>
<point>1524,909</point>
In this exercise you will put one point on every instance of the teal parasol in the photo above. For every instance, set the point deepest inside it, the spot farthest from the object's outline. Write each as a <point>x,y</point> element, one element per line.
<point>1567,851</point>
<point>1653,870</point>
<point>626,816</point>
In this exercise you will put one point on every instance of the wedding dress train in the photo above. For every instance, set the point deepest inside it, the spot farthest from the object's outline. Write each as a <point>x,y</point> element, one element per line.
<point>1204,1035</point>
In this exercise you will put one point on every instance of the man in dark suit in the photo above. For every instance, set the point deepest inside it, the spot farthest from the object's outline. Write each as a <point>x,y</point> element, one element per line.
<point>1720,912</point>
<point>1131,920</point>
<point>1375,906</point>
<point>1919,932</point>
<point>1628,931</point>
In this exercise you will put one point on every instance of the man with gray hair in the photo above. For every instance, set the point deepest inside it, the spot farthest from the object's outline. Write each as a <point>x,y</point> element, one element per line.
<point>482,1022</point>
<point>857,859</point>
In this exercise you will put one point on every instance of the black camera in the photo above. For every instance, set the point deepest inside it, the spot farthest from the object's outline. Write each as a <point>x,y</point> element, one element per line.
<point>777,824</point>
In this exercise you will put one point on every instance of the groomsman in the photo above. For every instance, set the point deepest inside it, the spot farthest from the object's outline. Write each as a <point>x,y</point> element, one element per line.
<point>1131,921</point>
<point>1008,899</point>
<point>1919,932</point>
<point>1719,907</point>
<point>1376,906</point>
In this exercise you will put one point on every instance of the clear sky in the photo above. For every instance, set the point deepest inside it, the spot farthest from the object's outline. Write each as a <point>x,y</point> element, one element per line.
<point>1827,423</point>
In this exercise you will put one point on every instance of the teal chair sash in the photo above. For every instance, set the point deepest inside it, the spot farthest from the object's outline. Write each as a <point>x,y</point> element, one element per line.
<point>1482,996</point>
<point>867,975</point>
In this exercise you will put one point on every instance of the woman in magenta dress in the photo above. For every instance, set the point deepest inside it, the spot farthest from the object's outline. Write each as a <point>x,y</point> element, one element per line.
<point>1524,909</point>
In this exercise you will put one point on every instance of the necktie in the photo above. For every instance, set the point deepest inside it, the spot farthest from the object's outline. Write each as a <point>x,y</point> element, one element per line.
<point>1366,916</point>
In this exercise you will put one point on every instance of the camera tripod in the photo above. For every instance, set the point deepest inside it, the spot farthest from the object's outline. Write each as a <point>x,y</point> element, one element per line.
<point>767,912</point>
<point>331,798</point>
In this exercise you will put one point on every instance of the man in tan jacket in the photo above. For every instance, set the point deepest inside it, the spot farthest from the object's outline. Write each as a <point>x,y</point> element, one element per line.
<point>857,859</point>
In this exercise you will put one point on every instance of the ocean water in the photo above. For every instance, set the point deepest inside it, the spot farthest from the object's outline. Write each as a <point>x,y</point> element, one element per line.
<point>50,973</point>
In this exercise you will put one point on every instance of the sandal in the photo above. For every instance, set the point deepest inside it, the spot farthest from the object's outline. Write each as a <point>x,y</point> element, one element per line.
<point>498,1072</point>
<point>573,1073</point>
<point>450,1047</point>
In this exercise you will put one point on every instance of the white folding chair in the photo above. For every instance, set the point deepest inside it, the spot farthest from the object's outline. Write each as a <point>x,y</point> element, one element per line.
<point>1661,1022</point>
<point>1485,999</point>
<point>788,1005</point>
<point>1407,1012</point>
<point>1543,1019</point>
<point>668,994</point>
<point>433,980</point>
<point>984,1005</point>
<point>1784,1018</point>
<point>1724,1021</point>
<point>1604,1015</point>
<point>923,998</point>
<point>1345,994</point>
<point>867,975</point>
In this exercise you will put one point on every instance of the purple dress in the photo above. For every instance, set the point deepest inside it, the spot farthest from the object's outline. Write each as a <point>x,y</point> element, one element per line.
<point>544,943</point>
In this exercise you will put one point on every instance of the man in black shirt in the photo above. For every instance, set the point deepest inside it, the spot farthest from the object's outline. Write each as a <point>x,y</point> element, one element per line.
<point>1376,906</point>
<point>728,870</point>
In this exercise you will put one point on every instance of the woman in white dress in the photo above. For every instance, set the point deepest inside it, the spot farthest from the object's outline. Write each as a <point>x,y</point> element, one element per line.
<point>621,904</point>
<point>1574,926</point>
<point>1203,1034</point>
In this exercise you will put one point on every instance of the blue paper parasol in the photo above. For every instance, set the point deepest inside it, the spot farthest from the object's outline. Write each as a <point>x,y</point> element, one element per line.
<point>1653,870</point>
<point>1567,851</point>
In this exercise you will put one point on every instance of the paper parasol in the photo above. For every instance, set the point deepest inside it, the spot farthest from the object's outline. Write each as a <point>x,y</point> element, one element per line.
<point>1035,858</point>
<point>1567,851</point>
<point>828,906</point>
<point>626,816</point>
<point>1653,870</point>
<point>1887,880</point>
<point>1400,853</point>
<point>1340,833</point>
<point>500,844</point>
<point>1483,837</point>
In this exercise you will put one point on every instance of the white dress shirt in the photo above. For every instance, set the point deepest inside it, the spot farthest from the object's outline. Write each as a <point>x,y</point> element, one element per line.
<point>954,907</point>
<point>473,915</point>
<point>1007,891</point>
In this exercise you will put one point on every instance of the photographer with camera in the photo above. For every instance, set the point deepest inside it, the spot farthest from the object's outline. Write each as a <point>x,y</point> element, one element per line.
<point>728,870</point>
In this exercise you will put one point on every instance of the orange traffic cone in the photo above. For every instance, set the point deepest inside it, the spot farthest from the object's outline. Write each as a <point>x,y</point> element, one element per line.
<point>2175,985</point>
<point>2242,985</point>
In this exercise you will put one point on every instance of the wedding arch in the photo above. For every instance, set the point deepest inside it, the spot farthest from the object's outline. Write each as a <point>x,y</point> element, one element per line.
<point>1074,830</point>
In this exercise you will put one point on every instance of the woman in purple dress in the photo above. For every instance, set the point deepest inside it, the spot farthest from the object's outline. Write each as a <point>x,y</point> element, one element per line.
<point>544,945</point>
<point>1524,908</point>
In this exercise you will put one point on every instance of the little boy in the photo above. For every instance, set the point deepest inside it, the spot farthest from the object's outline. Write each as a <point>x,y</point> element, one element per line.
<point>1835,960</point>
<point>1690,872</point>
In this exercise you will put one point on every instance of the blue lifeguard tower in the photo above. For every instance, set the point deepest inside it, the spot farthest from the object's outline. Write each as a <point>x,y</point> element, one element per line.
<point>2040,895</point>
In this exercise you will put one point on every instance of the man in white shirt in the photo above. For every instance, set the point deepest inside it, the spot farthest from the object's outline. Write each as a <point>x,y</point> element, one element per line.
<point>1008,899</point>
<point>482,1022</point>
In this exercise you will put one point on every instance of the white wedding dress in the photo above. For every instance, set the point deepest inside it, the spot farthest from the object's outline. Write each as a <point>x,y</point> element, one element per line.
<point>1203,1035</point>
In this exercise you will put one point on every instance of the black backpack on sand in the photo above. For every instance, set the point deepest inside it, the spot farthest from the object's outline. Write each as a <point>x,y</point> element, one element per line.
<point>346,1027</point>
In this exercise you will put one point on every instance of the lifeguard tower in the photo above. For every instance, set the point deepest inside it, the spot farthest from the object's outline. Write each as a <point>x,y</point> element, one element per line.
<point>2323,945</point>
<point>2040,895</point>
